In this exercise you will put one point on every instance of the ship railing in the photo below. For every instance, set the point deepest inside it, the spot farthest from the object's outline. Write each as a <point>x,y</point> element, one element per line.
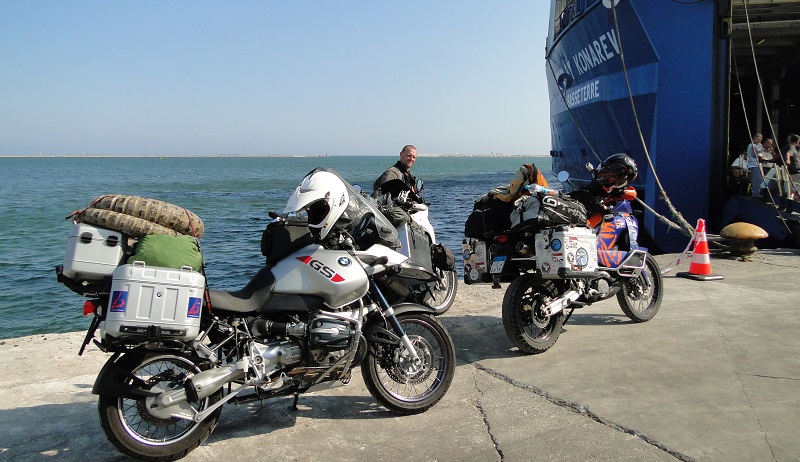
<point>567,11</point>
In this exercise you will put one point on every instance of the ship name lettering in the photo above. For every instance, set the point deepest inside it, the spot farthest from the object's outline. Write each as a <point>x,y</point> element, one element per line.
<point>583,94</point>
<point>599,51</point>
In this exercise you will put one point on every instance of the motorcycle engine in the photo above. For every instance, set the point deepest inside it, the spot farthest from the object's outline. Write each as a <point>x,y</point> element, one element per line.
<point>329,336</point>
<point>599,289</point>
<point>267,357</point>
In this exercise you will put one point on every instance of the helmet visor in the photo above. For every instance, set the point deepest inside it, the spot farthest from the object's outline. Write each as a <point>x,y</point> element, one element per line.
<point>613,175</point>
<point>317,212</point>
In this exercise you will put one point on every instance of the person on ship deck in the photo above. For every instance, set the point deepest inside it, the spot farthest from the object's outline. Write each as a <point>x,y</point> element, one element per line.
<point>755,156</point>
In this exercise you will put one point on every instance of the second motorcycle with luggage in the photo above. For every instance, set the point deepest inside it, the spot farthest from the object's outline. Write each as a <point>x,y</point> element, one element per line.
<point>558,257</point>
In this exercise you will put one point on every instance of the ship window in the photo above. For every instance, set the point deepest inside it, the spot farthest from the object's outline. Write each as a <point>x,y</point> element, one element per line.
<point>566,11</point>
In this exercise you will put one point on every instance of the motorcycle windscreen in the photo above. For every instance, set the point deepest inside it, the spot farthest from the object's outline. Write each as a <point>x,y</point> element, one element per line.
<point>412,269</point>
<point>360,207</point>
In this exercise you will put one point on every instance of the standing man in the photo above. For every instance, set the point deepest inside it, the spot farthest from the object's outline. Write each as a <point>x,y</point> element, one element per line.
<point>766,159</point>
<point>398,177</point>
<point>754,155</point>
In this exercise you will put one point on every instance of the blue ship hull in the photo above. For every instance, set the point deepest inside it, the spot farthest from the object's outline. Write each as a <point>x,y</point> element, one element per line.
<point>648,78</point>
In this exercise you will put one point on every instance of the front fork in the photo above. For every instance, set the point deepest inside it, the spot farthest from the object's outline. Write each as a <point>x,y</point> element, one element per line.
<point>388,313</point>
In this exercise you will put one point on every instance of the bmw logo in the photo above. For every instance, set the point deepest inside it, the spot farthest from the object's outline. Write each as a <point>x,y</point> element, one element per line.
<point>555,244</point>
<point>344,261</point>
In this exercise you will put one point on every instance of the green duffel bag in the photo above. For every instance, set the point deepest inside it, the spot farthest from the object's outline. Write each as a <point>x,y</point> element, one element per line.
<point>168,251</point>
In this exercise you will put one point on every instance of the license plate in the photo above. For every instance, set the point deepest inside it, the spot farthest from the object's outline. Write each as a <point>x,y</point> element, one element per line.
<point>497,265</point>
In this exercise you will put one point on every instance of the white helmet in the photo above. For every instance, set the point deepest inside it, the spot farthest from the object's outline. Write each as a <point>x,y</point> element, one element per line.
<point>324,198</point>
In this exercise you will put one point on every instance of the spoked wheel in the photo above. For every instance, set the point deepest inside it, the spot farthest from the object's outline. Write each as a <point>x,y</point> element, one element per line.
<point>400,383</point>
<point>443,292</point>
<point>640,298</point>
<point>525,323</point>
<point>140,432</point>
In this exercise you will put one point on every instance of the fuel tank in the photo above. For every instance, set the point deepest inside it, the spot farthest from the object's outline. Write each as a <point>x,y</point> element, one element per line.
<point>334,275</point>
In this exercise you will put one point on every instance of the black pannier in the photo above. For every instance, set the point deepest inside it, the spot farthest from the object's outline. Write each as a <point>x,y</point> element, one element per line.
<point>284,237</point>
<point>555,211</point>
<point>442,257</point>
<point>488,218</point>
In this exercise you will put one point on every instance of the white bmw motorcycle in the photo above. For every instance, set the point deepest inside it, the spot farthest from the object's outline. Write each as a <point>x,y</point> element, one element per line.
<point>409,217</point>
<point>313,313</point>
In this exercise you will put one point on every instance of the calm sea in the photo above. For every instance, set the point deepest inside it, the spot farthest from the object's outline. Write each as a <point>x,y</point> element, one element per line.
<point>231,195</point>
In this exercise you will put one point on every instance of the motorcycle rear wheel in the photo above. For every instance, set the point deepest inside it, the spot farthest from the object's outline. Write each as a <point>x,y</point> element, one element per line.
<point>638,301</point>
<point>526,325</point>
<point>402,386</point>
<point>444,291</point>
<point>135,432</point>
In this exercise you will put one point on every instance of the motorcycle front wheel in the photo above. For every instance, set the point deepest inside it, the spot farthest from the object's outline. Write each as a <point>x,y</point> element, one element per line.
<point>135,431</point>
<point>526,325</point>
<point>443,292</point>
<point>405,386</point>
<point>640,298</point>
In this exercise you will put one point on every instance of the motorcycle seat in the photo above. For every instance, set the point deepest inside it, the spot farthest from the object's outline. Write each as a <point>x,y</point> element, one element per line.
<point>257,297</point>
<point>251,298</point>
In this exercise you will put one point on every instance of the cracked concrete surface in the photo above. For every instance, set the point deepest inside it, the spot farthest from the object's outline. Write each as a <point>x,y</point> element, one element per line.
<point>486,423</point>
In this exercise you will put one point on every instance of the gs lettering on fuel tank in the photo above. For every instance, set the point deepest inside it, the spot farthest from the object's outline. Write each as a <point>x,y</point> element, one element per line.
<point>321,268</point>
<point>314,270</point>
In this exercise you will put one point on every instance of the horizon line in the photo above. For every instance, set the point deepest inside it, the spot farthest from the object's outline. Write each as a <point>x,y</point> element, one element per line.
<point>225,156</point>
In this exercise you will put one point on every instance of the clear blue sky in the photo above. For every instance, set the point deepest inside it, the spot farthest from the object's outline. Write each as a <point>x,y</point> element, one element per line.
<point>272,77</point>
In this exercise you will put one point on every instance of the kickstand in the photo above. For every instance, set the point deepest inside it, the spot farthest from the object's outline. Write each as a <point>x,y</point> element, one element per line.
<point>568,316</point>
<point>294,405</point>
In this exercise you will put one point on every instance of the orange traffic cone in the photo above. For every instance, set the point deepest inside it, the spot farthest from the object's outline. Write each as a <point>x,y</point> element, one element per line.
<point>700,267</point>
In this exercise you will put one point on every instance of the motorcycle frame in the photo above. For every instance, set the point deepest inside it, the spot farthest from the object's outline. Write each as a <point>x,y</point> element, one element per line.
<point>626,264</point>
<point>236,369</point>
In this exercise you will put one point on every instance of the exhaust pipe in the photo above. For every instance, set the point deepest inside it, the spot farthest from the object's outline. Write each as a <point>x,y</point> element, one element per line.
<point>201,386</point>
<point>560,303</point>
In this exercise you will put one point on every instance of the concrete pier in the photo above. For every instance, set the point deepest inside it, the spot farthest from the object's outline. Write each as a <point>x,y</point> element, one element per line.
<point>715,376</point>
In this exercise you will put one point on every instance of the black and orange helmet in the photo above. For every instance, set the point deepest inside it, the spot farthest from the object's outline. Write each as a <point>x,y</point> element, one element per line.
<point>617,171</point>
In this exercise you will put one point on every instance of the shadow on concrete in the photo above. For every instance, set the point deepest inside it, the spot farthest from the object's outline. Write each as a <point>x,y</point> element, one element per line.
<point>597,319</point>
<point>72,431</point>
<point>258,418</point>
<point>478,338</point>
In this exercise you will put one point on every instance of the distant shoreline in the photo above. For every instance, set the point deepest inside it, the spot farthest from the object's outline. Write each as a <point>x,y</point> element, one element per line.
<point>268,156</point>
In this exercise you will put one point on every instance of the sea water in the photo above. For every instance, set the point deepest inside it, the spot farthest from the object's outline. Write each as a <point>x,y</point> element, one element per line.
<point>232,195</point>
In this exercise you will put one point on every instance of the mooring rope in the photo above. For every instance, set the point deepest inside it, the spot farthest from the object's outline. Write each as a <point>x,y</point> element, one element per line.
<point>684,226</point>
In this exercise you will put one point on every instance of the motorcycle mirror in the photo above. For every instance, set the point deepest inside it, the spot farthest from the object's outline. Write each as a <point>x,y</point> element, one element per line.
<point>589,166</point>
<point>563,176</point>
<point>358,188</point>
<point>419,186</point>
